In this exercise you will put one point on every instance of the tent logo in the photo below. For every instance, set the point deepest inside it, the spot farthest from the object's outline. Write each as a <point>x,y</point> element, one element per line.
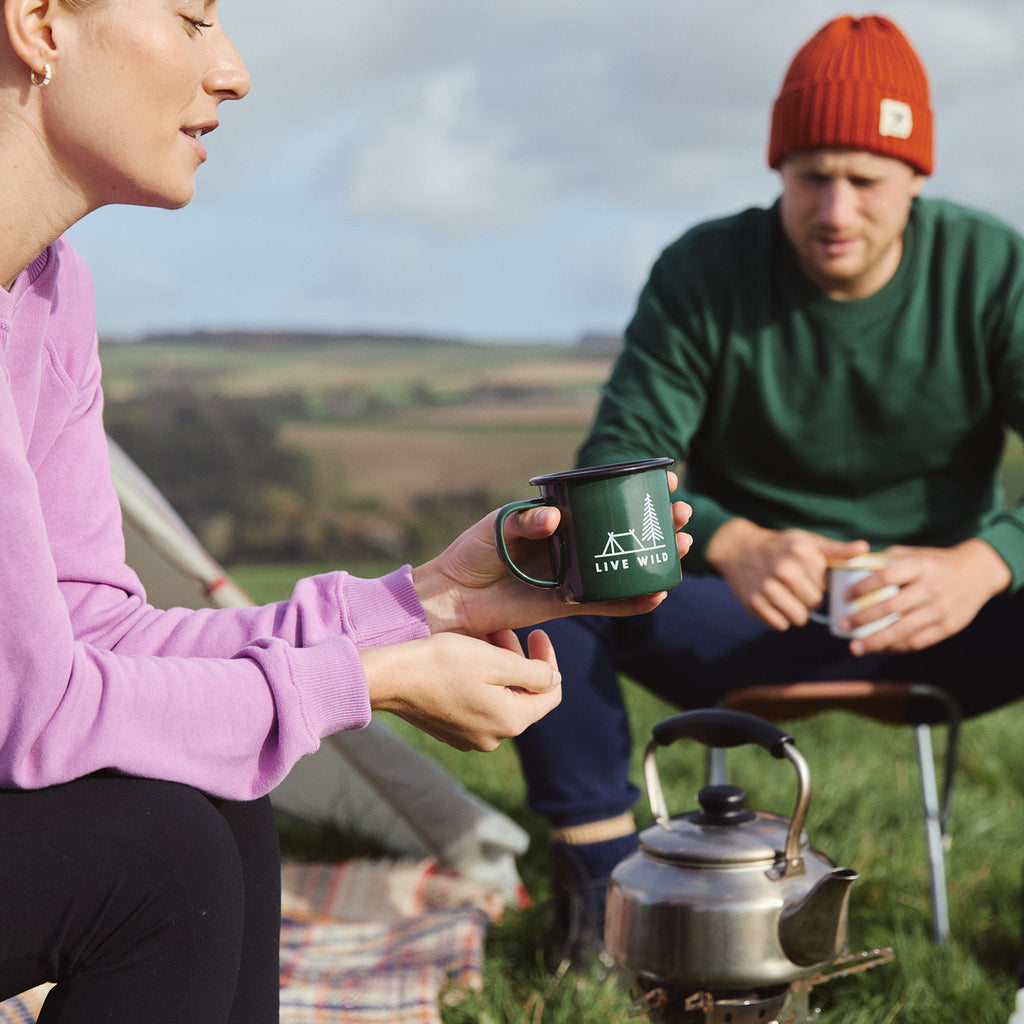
<point>626,550</point>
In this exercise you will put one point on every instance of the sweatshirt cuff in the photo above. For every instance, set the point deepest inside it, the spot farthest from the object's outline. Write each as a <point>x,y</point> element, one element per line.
<point>381,611</point>
<point>332,688</point>
<point>1005,535</point>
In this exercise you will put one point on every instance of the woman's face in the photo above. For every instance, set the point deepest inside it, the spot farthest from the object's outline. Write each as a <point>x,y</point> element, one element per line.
<point>136,85</point>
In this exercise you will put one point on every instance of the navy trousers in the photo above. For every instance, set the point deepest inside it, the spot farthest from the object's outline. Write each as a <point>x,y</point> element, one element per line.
<point>144,901</point>
<point>697,646</point>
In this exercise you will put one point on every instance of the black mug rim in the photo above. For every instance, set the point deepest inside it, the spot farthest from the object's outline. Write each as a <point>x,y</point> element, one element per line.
<point>600,472</point>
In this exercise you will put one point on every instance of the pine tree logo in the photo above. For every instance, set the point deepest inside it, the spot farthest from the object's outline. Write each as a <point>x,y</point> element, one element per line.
<point>651,534</point>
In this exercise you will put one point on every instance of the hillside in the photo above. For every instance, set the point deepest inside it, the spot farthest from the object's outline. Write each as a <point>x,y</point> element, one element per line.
<point>386,445</point>
<point>307,447</point>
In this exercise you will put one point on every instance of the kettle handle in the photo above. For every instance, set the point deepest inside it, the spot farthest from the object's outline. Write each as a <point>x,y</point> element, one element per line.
<point>722,727</point>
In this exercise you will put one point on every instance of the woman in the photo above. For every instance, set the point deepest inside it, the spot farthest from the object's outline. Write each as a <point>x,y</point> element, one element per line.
<point>138,854</point>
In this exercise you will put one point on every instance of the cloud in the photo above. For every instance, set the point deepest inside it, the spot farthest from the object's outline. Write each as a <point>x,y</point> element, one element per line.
<point>472,116</point>
<point>508,169</point>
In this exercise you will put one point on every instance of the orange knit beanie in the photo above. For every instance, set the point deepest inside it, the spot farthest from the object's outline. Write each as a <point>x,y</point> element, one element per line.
<point>857,83</point>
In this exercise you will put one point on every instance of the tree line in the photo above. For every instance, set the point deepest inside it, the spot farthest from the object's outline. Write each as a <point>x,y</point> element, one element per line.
<point>220,462</point>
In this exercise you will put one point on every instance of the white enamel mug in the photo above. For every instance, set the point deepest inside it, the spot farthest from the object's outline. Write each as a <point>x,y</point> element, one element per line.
<point>842,574</point>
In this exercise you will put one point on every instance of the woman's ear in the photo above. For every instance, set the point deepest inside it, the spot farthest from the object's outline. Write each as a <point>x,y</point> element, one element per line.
<point>29,31</point>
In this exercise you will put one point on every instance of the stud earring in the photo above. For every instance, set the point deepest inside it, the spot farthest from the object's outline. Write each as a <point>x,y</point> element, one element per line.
<point>41,79</point>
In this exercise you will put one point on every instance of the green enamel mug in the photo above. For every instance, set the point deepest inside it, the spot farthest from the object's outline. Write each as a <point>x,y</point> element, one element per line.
<point>616,538</point>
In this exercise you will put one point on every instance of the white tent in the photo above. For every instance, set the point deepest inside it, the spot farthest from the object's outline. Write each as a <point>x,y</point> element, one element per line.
<point>370,780</point>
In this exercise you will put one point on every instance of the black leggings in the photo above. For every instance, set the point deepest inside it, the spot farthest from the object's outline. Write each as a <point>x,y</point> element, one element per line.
<point>144,901</point>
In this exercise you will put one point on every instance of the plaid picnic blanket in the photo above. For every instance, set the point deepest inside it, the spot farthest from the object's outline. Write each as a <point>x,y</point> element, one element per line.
<point>370,942</point>
<point>366,942</point>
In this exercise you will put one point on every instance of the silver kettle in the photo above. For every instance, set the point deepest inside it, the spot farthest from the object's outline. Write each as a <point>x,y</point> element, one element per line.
<point>726,898</point>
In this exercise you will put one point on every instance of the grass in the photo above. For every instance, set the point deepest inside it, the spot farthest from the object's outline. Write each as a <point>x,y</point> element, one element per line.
<point>865,813</point>
<point>386,369</point>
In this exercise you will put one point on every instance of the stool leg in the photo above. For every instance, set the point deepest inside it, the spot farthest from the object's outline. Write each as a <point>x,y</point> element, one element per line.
<point>933,833</point>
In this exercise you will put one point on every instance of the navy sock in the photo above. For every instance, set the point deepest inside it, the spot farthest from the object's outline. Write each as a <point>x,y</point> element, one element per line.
<point>579,880</point>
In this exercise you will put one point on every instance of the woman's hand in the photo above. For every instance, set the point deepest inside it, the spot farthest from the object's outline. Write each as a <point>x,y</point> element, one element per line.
<point>468,693</point>
<point>467,589</point>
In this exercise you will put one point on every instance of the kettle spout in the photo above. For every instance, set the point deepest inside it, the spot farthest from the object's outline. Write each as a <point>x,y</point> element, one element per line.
<point>813,930</point>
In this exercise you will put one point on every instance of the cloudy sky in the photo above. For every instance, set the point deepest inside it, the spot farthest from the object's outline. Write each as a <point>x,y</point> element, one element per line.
<point>507,169</point>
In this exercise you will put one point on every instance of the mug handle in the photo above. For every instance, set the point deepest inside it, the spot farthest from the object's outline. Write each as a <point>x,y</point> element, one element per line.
<point>822,613</point>
<point>502,549</point>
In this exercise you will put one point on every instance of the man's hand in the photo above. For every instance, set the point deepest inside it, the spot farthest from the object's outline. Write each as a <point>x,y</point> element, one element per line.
<point>941,591</point>
<point>777,575</point>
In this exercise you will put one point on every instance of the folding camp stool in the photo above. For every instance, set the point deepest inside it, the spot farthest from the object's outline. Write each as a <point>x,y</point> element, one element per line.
<point>890,702</point>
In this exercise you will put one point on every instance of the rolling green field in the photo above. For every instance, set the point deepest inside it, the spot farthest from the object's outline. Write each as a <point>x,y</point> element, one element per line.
<point>391,421</point>
<point>399,436</point>
<point>390,424</point>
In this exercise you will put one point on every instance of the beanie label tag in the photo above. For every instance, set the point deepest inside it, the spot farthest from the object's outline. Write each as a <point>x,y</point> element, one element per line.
<point>895,119</point>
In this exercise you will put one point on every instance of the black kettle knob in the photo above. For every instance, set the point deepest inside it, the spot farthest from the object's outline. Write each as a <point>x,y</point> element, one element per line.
<point>722,805</point>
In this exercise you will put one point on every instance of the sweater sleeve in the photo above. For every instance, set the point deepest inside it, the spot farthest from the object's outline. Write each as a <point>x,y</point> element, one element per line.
<point>995,257</point>
<point>1004,529</point>
<point>232,726</point>
<point>107,603</point>
<point>656,395</point>
<point>91,677</point>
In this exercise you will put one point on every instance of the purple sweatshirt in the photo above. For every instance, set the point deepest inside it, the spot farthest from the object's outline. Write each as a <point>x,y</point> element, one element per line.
<point>91,676</point>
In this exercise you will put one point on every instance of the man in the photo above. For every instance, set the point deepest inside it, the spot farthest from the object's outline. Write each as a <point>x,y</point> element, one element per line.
<point>837,373</point>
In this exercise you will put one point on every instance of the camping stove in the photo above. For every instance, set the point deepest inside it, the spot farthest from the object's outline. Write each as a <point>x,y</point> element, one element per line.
<point>778,1004</point>
<point>672,1005</point>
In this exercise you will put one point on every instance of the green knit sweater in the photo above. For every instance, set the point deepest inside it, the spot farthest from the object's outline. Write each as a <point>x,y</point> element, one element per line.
<point>882,418</point>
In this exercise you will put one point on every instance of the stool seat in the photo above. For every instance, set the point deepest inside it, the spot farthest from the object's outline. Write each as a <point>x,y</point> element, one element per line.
<point>896,703</point>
